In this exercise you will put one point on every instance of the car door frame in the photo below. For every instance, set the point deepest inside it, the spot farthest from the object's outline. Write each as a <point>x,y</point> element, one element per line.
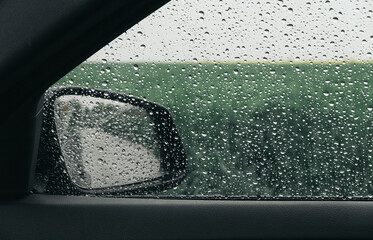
<point>43,40</point>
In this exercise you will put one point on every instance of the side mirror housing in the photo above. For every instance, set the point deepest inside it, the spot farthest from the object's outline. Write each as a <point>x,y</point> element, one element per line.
<point>101,142</point>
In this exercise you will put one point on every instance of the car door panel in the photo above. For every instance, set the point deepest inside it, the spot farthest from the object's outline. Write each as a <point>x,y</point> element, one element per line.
<point>78,217</point>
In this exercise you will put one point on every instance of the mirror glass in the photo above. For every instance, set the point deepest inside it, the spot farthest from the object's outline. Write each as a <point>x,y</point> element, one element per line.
<point>106,143</point>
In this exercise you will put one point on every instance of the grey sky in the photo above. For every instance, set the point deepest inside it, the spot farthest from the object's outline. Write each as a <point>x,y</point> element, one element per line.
<point>297,30</point>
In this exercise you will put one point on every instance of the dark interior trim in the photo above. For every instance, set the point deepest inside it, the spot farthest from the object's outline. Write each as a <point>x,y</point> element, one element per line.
<point>74,217</point>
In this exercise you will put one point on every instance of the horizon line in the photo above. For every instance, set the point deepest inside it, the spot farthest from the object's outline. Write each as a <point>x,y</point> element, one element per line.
<point>238,62</point>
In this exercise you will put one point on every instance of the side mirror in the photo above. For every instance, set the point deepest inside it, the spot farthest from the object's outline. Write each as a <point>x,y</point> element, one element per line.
<point>100,142</point>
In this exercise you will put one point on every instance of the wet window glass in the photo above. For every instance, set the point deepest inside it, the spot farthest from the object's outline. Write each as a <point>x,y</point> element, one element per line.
<point>271,98</point>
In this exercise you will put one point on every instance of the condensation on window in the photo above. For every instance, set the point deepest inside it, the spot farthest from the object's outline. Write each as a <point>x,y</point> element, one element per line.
<point>271,98</point>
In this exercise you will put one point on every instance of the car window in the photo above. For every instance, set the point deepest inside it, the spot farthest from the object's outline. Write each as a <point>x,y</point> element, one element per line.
<point>271,98</point>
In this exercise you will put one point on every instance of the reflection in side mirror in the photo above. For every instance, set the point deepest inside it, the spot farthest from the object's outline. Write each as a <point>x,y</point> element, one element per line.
<point>106,142</point>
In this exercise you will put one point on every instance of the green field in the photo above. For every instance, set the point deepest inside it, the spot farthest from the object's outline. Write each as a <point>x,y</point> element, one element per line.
<point>259,129</point>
